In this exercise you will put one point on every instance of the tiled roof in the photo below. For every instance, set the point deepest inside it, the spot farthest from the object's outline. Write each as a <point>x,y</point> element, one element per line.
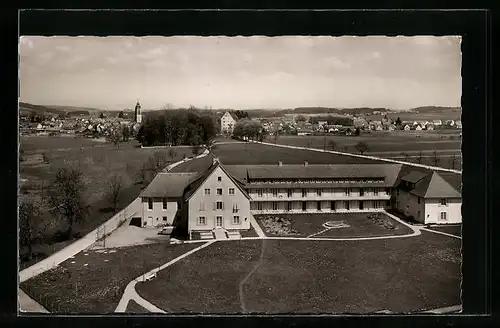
<point>316,171</point>
<point>170,185</point>
<point>439,188</point>
<point>433,184</point>
<point>414,176</point>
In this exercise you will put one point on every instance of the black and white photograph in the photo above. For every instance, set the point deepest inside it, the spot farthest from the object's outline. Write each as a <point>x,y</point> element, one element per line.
<point>240,174</point>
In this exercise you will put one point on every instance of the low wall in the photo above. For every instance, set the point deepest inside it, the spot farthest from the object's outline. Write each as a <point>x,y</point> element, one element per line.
<point>81,244</point>
<point>435,168</point>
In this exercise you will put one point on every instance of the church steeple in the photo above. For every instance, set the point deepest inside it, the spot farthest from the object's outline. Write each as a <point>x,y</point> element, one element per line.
<point>138,115</point>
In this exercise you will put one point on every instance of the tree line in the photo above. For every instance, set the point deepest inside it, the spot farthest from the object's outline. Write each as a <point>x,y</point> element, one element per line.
<point>178,127</point>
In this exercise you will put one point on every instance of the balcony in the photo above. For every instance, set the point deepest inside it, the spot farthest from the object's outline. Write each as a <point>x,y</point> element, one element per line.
<point>315,197</point>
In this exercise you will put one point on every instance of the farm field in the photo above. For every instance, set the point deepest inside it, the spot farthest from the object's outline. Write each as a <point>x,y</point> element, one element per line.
<point>97,163</point>
<point>94,281</point>
<point>398,146</point>
<point>281,276</point>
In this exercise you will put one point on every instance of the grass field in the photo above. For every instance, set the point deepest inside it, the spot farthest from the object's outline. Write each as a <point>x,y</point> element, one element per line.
<point>360,225</point>
<point>455,230</point>
<point>390,145</point>
<point>98,286</point>
<point>283,276</point>
<point>97,163</point>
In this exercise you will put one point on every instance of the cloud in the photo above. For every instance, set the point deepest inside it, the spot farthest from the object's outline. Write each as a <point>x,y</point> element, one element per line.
<point>63,48</point>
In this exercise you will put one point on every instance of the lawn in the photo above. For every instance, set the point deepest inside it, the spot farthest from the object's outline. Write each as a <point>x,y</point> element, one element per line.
<point>357,225</point>
<point>134,307</point>
<point>99,286</point>
<point>97,164</point>
<point>455,230</point>
<point>401,275</point>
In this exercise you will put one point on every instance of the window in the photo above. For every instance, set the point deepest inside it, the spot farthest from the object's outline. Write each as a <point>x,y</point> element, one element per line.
<point>164,218</point>
<point>164,203</point>
<point>304,192</point>
<point>443,216</point>
<point>259,206</point>
<point>318,206</point>
<point>259,192</point>
<point>202,220</point>
<point>289,206</point>
<point>275,206</point>
<point>150,204</point>
<point>236,220</point>
<point>219,191</point>
<point>202,206</point>
<point>235,208</point>
<point>290,192</point>
<point>304,206</point>
<point>347,205</point>
<point>397,192</point>
<point>275,192</point>
<point>418,200</point>
<point>388,191</point>
<point>361,192</point>
<point>348,192</point>
<point>332,205</point>
<point>318,192</point>
<point>443,202</point>
<point>219,205</point>
<point>361,204</point>
<point>231,191</point>
<point>207,191</point>
<point>219,179</point>
<point>375,191</point>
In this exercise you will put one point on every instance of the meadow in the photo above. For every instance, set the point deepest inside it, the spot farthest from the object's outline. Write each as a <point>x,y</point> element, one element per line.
<point>97,161</point>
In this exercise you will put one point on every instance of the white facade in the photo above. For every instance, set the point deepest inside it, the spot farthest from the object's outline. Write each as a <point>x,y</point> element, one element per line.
<point>158,211</point>
<point>218,203</point>
<point>429,210</point>
<point>227,123</point>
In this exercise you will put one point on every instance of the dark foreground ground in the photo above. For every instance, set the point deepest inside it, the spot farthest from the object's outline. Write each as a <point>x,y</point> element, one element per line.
<point>98,286</point>
<point>455,230</point>
<point>282,276</point>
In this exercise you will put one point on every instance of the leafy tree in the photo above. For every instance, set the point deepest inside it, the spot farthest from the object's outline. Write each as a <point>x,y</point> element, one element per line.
<point>196,149</point>
<point>66,197</point>
<point>115,135</point>
<point>31,225</point>
<point>113,193</point>
<point>398,121</point>
<point>362,147</point>
<point>101,115</point>
<point>357,132</point>
<point>125,133</point>
<point>120,114</point>
<point>301,118</point>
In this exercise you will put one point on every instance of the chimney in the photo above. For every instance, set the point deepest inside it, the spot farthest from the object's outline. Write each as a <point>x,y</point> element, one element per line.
<point>305,163</point>
<point>280,163</point>
<point>215,160</point>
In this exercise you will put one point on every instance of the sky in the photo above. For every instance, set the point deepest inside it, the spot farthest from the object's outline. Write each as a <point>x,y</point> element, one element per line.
<point>240,72</point>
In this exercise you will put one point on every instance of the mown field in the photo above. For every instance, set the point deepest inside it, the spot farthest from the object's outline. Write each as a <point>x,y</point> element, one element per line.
<point>97,161</point>
<point>287,276</point>
<point>94,281</point>
<point>395,145</point>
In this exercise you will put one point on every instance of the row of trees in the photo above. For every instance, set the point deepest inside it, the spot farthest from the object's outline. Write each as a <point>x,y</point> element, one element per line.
<point>332,120</point>
<point>251,129</point>
<point>178,127</point>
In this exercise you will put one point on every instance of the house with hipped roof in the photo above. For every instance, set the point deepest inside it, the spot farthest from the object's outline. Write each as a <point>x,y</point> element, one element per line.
<point>209,196</point>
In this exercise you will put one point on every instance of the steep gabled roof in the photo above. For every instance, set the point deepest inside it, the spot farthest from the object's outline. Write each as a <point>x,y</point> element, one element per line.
<point>414,176</point>
<point>439,188</point>
<point>170,185</point>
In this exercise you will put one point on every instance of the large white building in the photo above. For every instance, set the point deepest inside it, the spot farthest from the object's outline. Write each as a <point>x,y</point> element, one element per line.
<point>226,196</point>
<point>227,123</point>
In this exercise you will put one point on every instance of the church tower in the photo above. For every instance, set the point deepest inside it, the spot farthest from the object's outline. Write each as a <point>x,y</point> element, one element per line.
<point>138,115</point>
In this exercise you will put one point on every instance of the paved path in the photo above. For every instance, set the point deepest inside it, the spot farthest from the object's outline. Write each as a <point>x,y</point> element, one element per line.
<point>441,233</point>
<point>89,239</point>
<point>27,304</point>
<point>256,227</point>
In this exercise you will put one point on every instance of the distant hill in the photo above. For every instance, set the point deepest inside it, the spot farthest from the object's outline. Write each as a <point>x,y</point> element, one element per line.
<point>435,109</point>
<point>27,109</point>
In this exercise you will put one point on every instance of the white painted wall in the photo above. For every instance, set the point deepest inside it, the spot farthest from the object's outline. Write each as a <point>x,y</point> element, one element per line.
<point>204,205</point>
<point>154,217</point>
<point>453,209</point>
<point>227,122</point>
<point>408,204</point>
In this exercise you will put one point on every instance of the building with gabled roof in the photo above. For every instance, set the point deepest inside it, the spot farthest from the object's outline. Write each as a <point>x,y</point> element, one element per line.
<point>209,197</point>
<point>227,123</point>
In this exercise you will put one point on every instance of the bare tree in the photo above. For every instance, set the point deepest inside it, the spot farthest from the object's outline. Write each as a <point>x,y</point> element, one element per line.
<point>332,144</point>
<point>172,153</point>
<point>66,197</point>
<point>405,156</point>
<point>453,161</point>
<point>435,158</point>
<point>31,226</point>
<point>419,157</point>
<point>113,193</point>
<point>362,147</point>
